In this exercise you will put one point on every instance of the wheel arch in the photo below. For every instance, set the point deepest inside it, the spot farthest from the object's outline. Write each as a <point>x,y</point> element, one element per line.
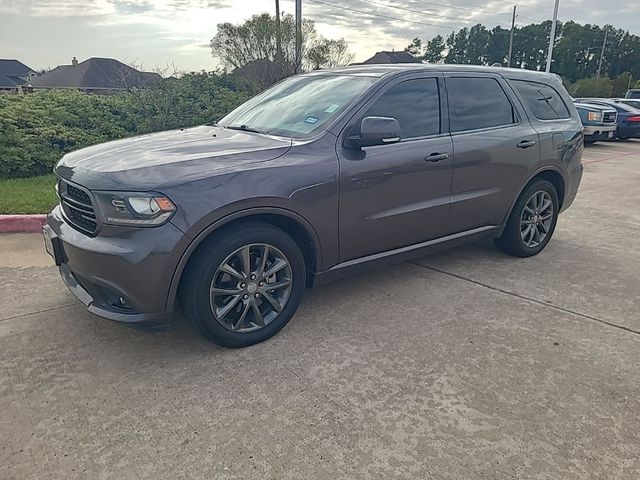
<point>295,225</point>
<point>550,174</point>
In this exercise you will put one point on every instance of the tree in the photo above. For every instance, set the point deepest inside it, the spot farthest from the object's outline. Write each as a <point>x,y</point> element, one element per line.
<point>415,47</point>
<point>592,87</point>
<point>256,39</point>
<point>498,46</point>
<point>621,84</point>
<point>457,44</point>
<point>433,52</point>
<point>477,45</point>
<point>328,54</point>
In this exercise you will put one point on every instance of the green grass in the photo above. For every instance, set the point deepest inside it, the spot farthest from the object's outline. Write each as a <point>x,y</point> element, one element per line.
<point>28,195</point>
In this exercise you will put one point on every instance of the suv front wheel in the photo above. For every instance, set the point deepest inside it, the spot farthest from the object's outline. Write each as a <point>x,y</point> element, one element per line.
<point>243,284</point>
<point>532,220</point>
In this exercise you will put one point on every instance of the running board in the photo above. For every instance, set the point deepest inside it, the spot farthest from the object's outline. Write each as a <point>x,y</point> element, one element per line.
<point>402,254</point>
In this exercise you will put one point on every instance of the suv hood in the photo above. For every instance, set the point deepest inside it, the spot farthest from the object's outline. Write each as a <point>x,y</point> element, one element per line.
<point>167,158</point>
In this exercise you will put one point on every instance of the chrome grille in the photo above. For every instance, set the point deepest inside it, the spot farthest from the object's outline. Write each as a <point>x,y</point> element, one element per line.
<point>609,117</point>
<point>78,207</point>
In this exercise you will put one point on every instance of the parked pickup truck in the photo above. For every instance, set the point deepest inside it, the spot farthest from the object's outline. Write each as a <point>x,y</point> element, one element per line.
<point>599,122</point>
<point>633,93</point>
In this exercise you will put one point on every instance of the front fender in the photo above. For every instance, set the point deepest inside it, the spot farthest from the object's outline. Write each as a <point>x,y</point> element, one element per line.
<point>217,220</point>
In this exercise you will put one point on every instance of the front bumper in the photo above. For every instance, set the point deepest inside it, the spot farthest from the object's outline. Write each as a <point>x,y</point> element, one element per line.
<point>599,132</point>
<point>124,274</point>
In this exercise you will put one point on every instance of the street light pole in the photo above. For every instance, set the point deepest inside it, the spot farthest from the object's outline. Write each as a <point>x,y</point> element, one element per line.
<point>298,35</point>
<point>553,36</point>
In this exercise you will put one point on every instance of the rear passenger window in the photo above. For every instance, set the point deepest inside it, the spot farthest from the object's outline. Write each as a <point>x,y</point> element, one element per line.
<point>544,101</point>
<point>477,103</point>
<point>414,103</point>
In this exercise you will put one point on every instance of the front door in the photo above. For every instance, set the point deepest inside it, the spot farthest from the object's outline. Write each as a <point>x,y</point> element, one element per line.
<point>397,195</point>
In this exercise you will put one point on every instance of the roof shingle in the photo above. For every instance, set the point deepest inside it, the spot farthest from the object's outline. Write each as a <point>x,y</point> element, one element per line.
<point>9,66</point>
<point>96,73</point>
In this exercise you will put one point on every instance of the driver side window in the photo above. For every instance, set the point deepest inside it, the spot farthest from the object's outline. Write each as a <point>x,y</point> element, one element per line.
<point>414,103</point>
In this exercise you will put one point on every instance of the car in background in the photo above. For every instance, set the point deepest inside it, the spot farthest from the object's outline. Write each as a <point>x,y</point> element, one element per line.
<point>628,117</point>
<point>632,102</point>
<point>599,123</point>
<point>633,93</point>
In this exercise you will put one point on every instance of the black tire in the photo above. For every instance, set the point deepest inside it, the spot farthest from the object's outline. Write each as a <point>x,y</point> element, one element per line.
<point>511,240</point>
<point>197,280</point>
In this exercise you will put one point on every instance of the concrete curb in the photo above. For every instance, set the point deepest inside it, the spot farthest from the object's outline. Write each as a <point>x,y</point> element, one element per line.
<point>22,223</point>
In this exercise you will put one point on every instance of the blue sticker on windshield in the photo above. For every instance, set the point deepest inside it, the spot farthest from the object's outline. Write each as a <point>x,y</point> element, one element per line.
<point>311,120</point>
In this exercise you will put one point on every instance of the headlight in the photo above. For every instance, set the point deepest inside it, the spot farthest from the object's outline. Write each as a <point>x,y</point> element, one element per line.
<point>134,209</point>
<point>594,116</point>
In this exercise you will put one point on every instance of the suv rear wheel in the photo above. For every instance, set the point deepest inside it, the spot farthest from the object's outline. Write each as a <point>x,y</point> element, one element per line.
<point>243,284</point>
<point>532,220</point>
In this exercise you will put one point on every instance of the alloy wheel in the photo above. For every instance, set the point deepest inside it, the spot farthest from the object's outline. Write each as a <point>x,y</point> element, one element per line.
<point>250,288</point>
<point>536,219</point>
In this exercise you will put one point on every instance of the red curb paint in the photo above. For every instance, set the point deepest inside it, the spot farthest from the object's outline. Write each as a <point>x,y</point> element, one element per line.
<point>22,223</point>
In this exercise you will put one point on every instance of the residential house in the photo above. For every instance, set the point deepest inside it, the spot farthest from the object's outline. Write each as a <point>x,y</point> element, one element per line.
<point>95,75</point>
<point>13,75</point>
<point>392,57</point>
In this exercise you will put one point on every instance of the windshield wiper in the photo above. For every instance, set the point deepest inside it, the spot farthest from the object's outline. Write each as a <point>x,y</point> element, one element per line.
<point>245,128</point>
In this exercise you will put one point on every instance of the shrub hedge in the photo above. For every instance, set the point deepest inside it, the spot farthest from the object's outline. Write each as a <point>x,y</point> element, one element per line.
<point>37,129</point>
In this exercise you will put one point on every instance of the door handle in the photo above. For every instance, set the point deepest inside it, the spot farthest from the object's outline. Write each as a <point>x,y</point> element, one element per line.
<point>526,144</point>
<point>436,157</point>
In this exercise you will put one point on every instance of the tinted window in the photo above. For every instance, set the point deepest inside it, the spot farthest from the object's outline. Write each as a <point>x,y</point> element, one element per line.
<point>414,103</point>
<point>632,103</point>
<point>544,101</point>
<point>477,103</point>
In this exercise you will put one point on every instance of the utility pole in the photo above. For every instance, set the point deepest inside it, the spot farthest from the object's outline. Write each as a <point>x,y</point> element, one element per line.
<point>298,35</point>
<point>604,44</point>
<point>552,40</point>
<point>513,28</point>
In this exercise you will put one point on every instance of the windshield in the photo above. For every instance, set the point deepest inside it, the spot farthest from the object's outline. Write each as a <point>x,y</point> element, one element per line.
<point>298,106</point>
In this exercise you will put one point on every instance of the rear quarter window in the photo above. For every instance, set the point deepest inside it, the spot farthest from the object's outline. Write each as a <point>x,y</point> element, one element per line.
<point>543,100</point>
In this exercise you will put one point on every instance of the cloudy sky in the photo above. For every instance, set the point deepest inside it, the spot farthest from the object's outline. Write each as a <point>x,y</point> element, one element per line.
<point>46,33</point>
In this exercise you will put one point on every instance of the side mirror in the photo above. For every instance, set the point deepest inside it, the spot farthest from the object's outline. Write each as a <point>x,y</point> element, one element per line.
<point>375,131</point>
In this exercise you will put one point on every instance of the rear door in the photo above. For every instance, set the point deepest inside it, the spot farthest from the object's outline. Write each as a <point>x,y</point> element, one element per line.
<point>495,149</point>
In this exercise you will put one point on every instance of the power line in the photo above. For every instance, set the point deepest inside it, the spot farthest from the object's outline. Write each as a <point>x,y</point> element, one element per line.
<point>388,17</point>
<point>447,5</point>
<point>429,13</point>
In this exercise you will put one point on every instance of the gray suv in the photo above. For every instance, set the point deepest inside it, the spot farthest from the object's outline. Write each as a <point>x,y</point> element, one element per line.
<point>322,175</point>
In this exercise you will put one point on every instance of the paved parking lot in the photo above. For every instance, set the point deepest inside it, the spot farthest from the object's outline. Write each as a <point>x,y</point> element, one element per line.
<point>463,365</point>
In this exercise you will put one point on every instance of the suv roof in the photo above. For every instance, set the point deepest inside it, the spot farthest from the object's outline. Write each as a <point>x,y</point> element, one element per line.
<point>380,70</point>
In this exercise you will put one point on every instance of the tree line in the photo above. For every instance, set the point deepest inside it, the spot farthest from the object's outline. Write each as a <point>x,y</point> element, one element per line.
<point>576,53</point>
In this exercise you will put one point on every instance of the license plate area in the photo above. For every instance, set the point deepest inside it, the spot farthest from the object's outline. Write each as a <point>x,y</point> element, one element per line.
<point>52,244</point>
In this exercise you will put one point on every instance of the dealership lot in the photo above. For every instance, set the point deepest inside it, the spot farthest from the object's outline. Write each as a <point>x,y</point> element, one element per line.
<point>466,364</point>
